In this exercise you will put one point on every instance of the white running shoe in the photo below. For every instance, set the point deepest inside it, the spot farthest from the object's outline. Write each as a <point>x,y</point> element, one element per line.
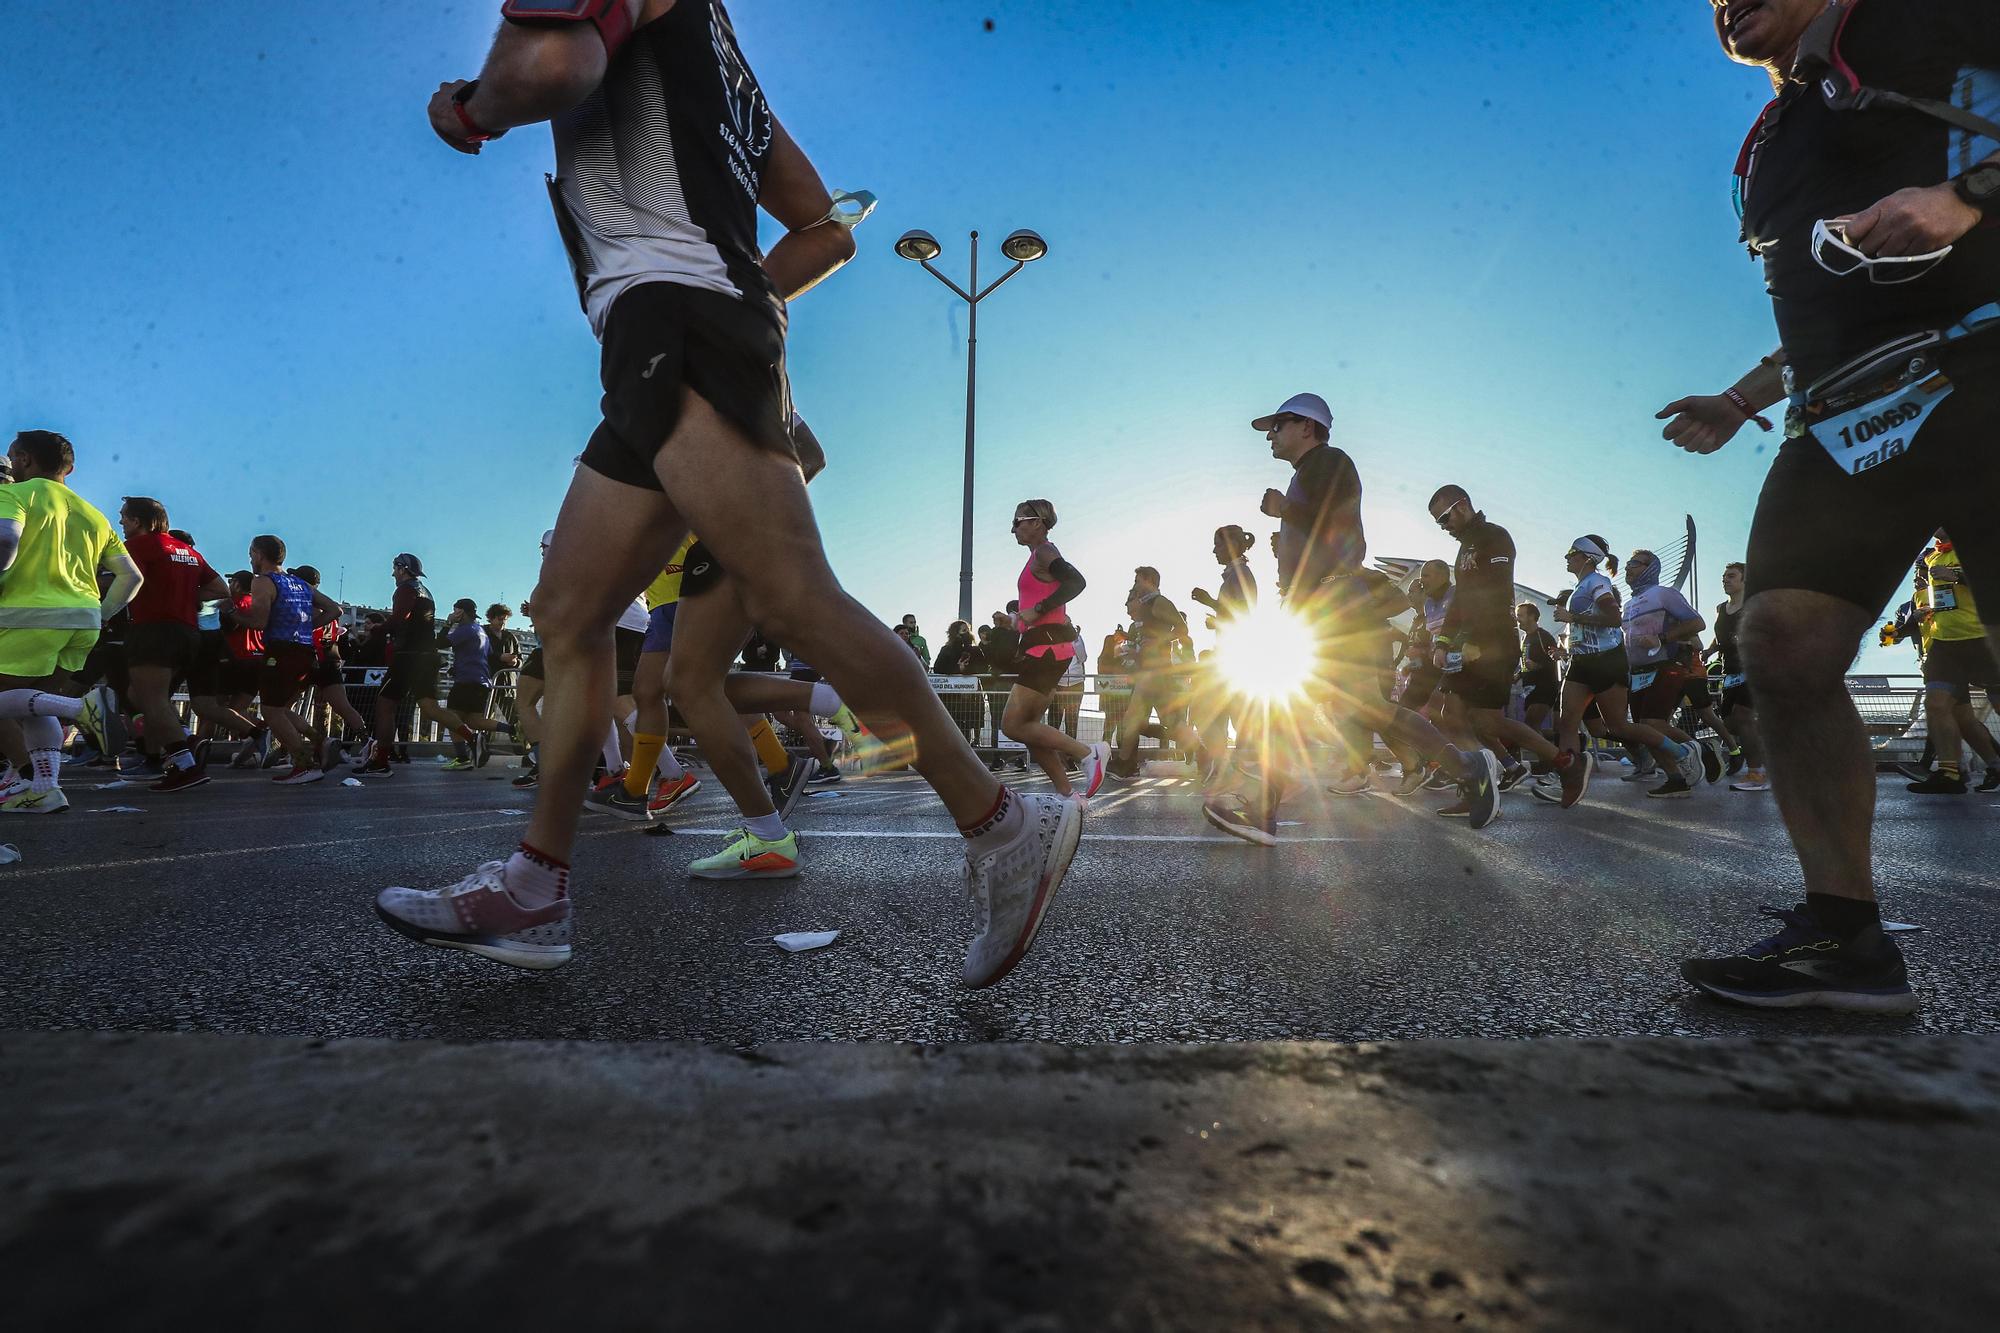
<point>1690,766</point>
<point>480,916</point>
<point>1014,885</point>
<point>298,777</point>
<point>1752,780</point>
<point>1094,765</point>
<point>1357,784</point>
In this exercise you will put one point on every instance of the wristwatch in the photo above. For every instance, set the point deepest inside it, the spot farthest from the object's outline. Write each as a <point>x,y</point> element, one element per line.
<point>1980,187</point>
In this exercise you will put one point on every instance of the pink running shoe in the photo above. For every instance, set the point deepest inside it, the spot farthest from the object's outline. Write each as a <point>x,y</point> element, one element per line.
<point>480,916</point>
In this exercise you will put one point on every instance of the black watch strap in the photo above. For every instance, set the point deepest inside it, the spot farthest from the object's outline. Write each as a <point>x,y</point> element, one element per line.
<point>1980,187</point>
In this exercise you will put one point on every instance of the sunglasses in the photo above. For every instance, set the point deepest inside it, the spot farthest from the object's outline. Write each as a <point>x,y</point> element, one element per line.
<point>1025,518</point>
<point>1443,516</point>
<point>1832,251</point>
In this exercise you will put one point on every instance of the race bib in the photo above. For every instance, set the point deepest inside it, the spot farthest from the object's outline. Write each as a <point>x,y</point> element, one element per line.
<point>1641,679</point>
<point>1733,681</point>
<point>1944,597</point>
<point>1882,428</point>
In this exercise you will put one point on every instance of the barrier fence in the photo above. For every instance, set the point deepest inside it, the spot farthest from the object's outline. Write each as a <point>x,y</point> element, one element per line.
<point>1095,708</point>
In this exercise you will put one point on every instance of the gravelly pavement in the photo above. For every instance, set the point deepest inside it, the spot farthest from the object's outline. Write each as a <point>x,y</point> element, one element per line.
<point>241,908</point>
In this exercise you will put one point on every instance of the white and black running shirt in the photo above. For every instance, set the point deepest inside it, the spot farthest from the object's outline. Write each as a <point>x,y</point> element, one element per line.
<point>657,172</point>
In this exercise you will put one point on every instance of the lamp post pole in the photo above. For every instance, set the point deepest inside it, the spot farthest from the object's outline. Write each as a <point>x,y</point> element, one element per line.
<point>1023,247</point>
<point>971,382</point>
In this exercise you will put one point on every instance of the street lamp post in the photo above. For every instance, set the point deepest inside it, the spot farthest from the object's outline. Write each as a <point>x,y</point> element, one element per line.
<point>1024,247</point>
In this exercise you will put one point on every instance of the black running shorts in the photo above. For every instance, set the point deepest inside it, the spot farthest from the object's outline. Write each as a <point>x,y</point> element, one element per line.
<point>468,698</point>
<point>411,676</point>
<point>699,571</point>
<point>1598,672</point>
<point>284,672</point>
<point>1660,695</point>
<point>1696,691</point>
<point>164,643</point>
<point>1960,664</point>
<point>661,338</point>
<point>1419,688</point>
<point>532,668</point>
<point>1735,697</point>
<point>1854,537</point>
<point>1487,681</point>
<point>1041,674</point>
<point>1544,691</point>
<point>631,643</point>
<point>205,676</point>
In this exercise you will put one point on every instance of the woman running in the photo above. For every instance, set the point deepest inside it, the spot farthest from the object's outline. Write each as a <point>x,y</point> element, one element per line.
<point>1598,670</point>
<point>1047,585</point>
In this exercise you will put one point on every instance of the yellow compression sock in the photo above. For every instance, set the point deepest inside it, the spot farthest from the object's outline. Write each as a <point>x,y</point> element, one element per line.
<point>645,754</point>
<point>776,759</point>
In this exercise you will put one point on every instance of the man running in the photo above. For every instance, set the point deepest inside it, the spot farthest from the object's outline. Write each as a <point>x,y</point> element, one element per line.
<point>634,797</point>
<point>665,149</point>
<point>1321,551</point>
<point>286,610</point>
<point>329,684</point>
<point>1480,628</point>
<point>1738,705</point>
<point>1046,586</point>
<point>412,677</point>
<point>1866,205</point>
<point>1158,684</point>
<point>1957,658</point>
<point>163,644</point>
<point>1659,625</point>
<point>470,698</point>
<point>52,543</point>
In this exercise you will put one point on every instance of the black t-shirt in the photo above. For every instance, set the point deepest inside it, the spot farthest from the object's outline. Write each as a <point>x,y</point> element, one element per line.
<point>413,619</point>
<point>1160,623</point>
<point>1482,602</point>
<point>1320,534</point>
<point>1538,655</point>
<point>1817,163</point>
<point>1725,638</point>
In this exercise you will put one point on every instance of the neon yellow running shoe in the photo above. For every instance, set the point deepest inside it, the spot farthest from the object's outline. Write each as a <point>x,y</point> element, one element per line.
<point>750,857</point>
<point>843,717</point>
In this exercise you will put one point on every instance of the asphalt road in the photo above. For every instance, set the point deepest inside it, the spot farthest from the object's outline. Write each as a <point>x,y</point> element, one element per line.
<point>244,908</point>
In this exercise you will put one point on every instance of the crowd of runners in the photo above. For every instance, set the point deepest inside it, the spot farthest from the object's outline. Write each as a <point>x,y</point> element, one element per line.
<point>1871,205</point>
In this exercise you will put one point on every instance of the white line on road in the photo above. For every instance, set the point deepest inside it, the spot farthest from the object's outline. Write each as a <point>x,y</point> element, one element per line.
<point>251,851</point>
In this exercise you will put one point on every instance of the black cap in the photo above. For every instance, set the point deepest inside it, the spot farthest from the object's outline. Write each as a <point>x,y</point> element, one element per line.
<point>466,604</point>
<point>409,562</point>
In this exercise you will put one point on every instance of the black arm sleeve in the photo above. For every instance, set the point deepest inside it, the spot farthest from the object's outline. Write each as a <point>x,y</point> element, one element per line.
<point>1069,582</point>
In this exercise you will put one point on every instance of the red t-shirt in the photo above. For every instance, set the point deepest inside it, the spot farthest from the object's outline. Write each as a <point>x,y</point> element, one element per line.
<point>175,575</point>
<point>244,644</point>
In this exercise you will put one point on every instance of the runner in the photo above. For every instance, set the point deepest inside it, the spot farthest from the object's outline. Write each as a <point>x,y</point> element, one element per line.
<point>1480,628</point>
<point>1232,601</point>
<point>1658,622</point>
<point>1866,205</point>
<point>236,675</point>
<point>697,435</point>
<point>163,644</point>
<point>286,610</point>
<point>800,721</point>
<point>52,543</point>
<point>1540,676</point>
<point>634,797</point>
<point>1047,584</point>
<point>412,677</point>
<point>471,696</point>
<point>1737,703</point>
<point>1159,682</point>
<point>1957,658</point>
<point>1599,671</point>
<point>329,684</point>
<point>1321,550</point>
<point>1699,700</point>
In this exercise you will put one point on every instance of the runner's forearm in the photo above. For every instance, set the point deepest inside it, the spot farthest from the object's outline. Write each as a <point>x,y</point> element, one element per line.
<point>801,260</point>
<point>1765,384</point>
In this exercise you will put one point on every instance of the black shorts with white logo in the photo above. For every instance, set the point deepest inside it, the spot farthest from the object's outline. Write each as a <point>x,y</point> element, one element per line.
<point>1960,664</point>
<point>700,571</point>
<point>1854,537</point>
<point>1598,672</point>
<point>661,338</point>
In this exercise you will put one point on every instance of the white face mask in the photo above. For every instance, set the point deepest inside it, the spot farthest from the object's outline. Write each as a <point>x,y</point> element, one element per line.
<point>796,941</point>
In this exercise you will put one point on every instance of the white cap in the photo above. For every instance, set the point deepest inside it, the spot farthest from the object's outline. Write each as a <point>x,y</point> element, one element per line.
<point>548,539</point>
<point>1589,548</point>
<point>1308,405</point>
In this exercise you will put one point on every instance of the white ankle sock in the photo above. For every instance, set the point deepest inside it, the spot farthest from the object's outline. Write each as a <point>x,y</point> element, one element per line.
<point>614,755</point>
<point>535,879</point>
<point>768,827</point>
<point>669,767</point>
<point>39,703</point>
<point>997,828</point>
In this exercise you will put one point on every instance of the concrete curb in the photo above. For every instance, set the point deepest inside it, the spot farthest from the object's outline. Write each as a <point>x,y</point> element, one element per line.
<point>177,1181</point>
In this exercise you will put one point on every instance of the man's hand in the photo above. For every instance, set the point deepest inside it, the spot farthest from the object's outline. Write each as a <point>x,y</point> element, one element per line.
<point>444,119</point>
<point>1562,616</point>
<point>1273,506</point>
<point>1701,424</point>
<point>1201,595</point>
<point>1913,221</point>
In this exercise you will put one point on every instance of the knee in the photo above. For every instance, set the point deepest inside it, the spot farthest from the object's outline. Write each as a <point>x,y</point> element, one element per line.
<point>566,622</point>
<point>1794,646</point>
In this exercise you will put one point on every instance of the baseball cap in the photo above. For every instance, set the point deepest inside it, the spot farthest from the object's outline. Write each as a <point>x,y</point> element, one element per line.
<point>466,604</point>
<point>409,562</point>
<point>1308,405</point>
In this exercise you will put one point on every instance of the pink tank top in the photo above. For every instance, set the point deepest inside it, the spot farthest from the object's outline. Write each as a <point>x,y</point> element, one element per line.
<point>1032,590</point>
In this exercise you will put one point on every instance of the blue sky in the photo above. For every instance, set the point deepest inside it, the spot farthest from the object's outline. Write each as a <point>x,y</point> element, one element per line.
<point>240,273</point>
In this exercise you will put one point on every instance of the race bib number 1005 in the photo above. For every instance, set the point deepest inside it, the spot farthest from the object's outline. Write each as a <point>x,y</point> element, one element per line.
<point>1883,429</point>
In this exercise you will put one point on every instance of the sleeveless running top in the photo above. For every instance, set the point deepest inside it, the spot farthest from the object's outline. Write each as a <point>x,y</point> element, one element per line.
<point>1583,601</point>
<point>1032,590</point>
<point>291,610</point>
<point>1725,639</point>
<point>657,172</point>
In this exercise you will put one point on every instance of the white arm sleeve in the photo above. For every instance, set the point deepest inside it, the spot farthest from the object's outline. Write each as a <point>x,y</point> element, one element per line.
<point>125,582</point>
<point>10,541</point>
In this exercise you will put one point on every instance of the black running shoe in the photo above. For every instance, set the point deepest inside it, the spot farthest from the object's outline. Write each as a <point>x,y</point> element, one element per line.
<point>1937,784</point>
<point>1991,782</point>
<point>1480,790</point>
<point>1675,786</point>
<point>1736,761</point>
<point>482,748</point>
<point>1511,778</point>
<point>1711,762</point>
<point>615,800</point>
<point>1240,819</point>
<point>786,791</point>
<point>529,776</point>
<point>1803,966</point>
<point>826,776</point>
